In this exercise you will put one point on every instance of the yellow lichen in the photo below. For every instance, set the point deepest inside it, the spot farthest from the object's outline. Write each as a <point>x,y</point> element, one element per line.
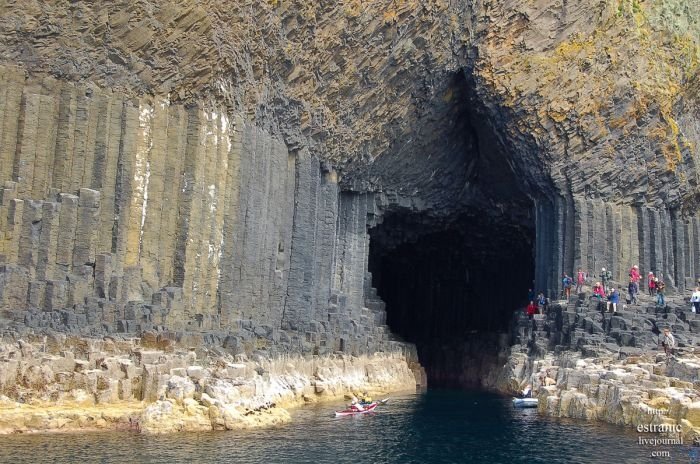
<point>390,17</point>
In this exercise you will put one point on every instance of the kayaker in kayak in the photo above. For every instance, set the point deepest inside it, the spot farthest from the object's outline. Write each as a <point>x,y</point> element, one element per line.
<point>366,399</point>
<point>356,405</point>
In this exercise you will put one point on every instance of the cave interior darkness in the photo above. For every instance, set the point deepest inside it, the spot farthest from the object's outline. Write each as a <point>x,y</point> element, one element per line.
<point>451,289</point>
<point>452,273</point>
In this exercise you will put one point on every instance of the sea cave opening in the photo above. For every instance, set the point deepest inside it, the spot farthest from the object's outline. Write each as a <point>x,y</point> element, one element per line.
<point>451,288</point>
<point>452,252</point>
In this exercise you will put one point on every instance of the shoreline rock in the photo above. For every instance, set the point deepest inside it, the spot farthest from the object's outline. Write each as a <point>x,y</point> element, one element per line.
<point>152,391</point>
<point>630,386</point>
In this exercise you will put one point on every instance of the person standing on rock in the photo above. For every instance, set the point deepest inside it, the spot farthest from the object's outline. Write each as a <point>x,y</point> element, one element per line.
<point>613,300</point>
<point>634,276</point>
<point>541,303</point>
<point>567,282</point>
<point>632,289</point>
<point>531,310</point>
<point>605,277</point>
<point>668,342</point>
<point>580,280</point>
<point>695,300</point>
<point>651,285</point>
<point>660,287</point>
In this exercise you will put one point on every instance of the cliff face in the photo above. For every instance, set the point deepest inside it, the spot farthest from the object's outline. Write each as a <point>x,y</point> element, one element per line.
<point>177,218</point>
<point>215,166</point>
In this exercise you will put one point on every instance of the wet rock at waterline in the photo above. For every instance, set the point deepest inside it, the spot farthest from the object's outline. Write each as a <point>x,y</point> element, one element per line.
<point>83,384</point>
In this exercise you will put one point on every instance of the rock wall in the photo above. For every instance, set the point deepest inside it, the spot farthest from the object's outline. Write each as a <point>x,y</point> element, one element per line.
<point>124,215</point>
<point>574,232</point>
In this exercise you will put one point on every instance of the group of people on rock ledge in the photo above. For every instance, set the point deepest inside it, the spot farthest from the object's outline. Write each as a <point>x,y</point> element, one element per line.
<point>603,290</point>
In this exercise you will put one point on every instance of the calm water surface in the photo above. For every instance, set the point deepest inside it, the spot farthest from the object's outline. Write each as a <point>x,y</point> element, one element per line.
<point>433,427</point>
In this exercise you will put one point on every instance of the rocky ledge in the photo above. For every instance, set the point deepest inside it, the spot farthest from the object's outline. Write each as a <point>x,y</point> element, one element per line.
<point>59,383</point>
<point>586,363</point>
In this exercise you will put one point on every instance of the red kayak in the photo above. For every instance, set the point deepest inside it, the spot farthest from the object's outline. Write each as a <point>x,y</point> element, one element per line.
<point>352,410</point>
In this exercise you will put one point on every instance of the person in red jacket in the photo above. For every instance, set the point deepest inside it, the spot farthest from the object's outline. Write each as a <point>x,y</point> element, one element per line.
<point>598,291</point>
<point>635,277</point>
<point>531,309</point>
<point>580,280</point>
<point>651,283</point>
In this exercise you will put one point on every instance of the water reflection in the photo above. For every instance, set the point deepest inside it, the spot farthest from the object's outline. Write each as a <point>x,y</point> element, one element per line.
<point>435,427</point>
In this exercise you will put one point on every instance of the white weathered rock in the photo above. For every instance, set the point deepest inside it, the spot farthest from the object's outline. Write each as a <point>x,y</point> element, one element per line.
<point>179,388</point>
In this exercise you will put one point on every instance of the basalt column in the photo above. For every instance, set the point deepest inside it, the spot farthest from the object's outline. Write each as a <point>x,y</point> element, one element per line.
<point>595,234</point>
<point>127,215</point>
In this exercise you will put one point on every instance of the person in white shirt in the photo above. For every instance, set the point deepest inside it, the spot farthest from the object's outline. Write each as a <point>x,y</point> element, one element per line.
<point>668,342</point>
<point>695,300</point>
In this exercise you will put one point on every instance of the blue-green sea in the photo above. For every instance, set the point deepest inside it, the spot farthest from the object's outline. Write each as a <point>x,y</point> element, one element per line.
<point>438,426</point>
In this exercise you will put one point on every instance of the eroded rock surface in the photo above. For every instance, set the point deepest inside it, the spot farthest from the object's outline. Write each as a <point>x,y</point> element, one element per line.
<point>70,383</point>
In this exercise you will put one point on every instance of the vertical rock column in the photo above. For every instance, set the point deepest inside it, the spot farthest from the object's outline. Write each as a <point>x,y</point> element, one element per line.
<point>189,240</point>
<point>680,251</point>
<point>581,237</point>
<point>68,219</point>
<point>246,254</point>
<point>300,294</point>
<point>23,171</point>
<point>350,260</point>
<point>86,228</point>
<point>280,237</point>
<point>30,234</point>
<point>44,147</point>
<point>128,208</point>
<point>65,139</point>
<point>11,86</point>
<point>172,185</point>
<point>546,249</point>
<point>84,142</point>
<point>107,142</point>
<point>228,310</point>
<point>48,241</point>
<point>326,241</point>
<point>10,222</point>
<point>151,170</point>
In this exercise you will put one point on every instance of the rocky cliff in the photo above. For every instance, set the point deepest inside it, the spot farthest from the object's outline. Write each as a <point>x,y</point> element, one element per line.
<point>214,167</point>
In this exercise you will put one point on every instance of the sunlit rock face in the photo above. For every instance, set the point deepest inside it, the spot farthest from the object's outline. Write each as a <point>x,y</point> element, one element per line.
<point>237,170</point>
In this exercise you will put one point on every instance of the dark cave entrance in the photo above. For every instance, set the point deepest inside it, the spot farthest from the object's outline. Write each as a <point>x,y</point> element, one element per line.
<point>451,288</point>
<point>453,253</point>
